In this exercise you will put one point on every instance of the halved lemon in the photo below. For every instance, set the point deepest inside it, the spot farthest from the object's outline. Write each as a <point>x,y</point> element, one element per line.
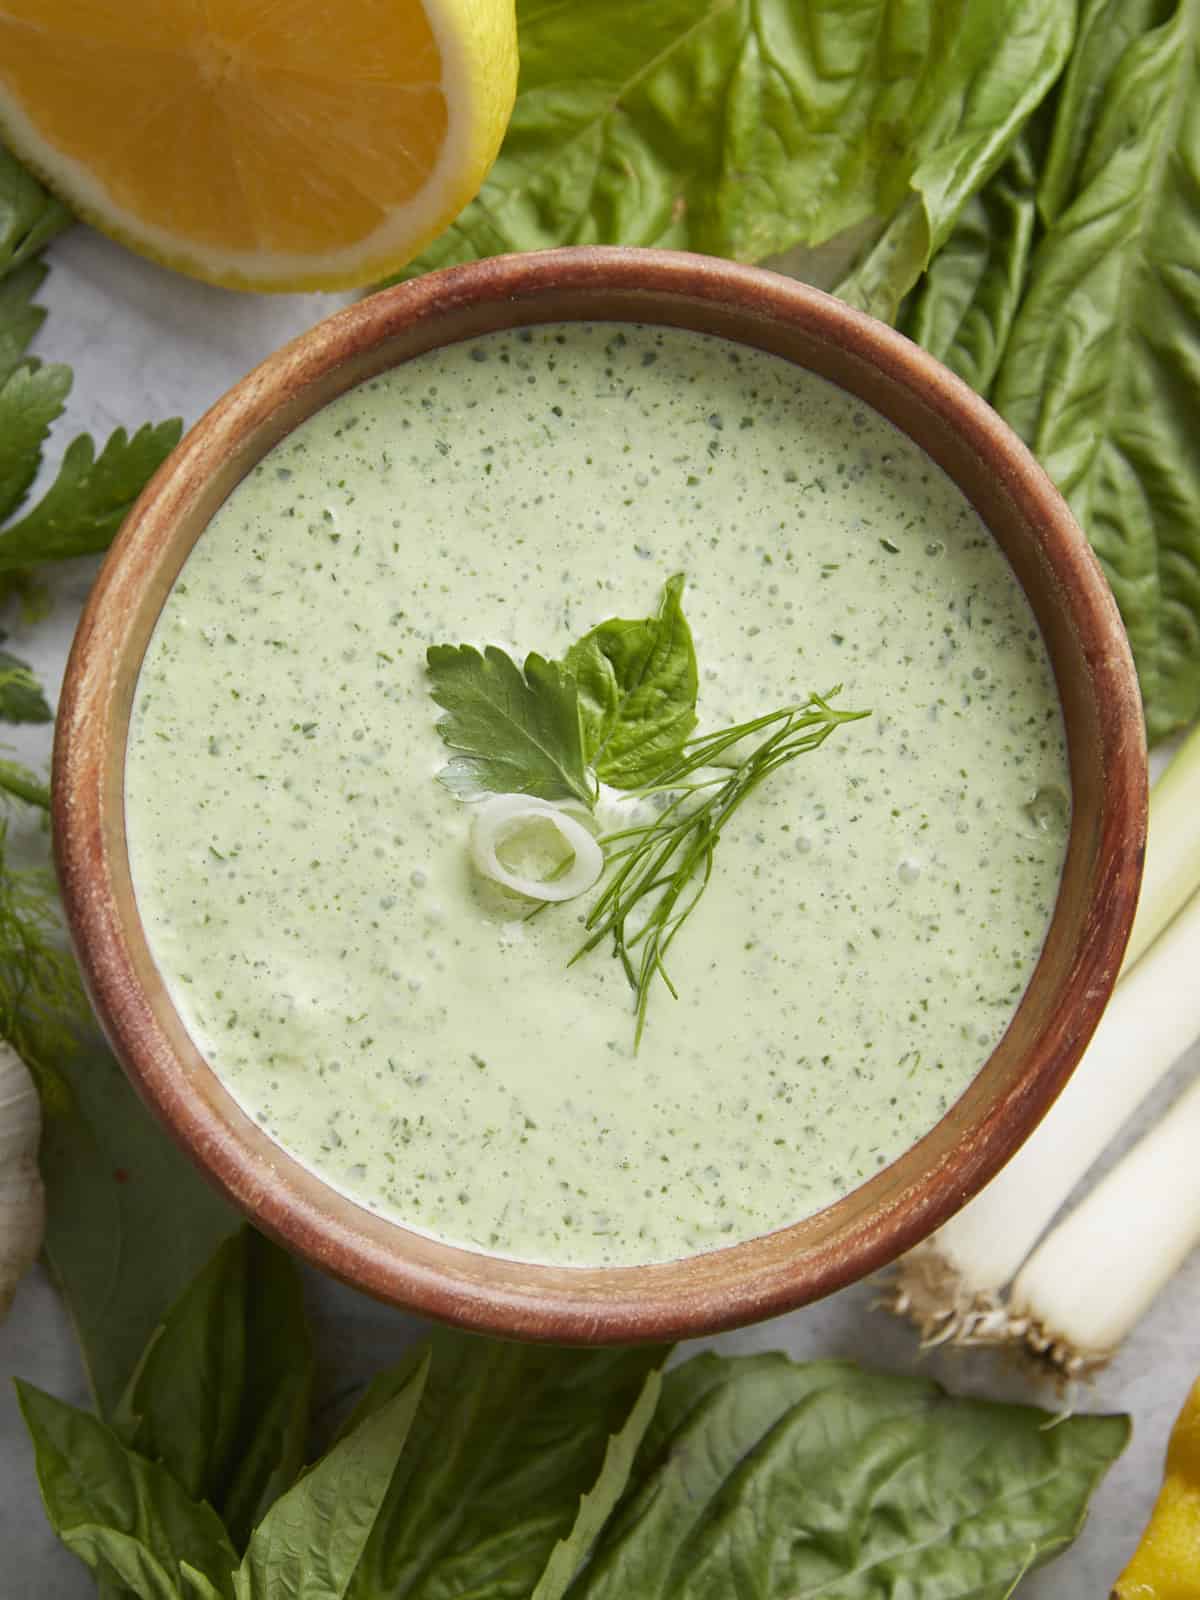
<point>262,144</point>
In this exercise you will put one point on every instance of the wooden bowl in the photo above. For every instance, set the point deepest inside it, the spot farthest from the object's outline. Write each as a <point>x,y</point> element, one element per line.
<point>902,1203</point>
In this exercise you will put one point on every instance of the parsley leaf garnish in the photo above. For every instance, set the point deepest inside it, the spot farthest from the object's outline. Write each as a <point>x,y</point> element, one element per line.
<point>637,691</point>
<point>622,709</point>
<point>512,731</point>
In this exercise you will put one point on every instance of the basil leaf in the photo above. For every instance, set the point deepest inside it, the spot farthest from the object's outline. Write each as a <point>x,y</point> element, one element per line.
<point>268,1450</point>
<point>29,215</point>
<point>32,397</point>
<point>507,1439</point>
<point>637,691</point>
<point>181,1407</point>
<point>221,1394</point>
<point>87,502</point>
<point>779,1479</point>
<point>512,731</point>
<point>21,697</point>
<point>744,127</point>
<point>111,1174</point>
<point>195,1583</point>
<point>967,302</point>
<point>1100,376</point>
<point>309,1544</point>
<point>1013,52</point>
<point>598,1504</point>
<point>125,1516</point>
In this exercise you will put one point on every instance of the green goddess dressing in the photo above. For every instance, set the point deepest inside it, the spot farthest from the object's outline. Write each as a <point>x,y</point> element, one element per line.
<point>400,1026</point>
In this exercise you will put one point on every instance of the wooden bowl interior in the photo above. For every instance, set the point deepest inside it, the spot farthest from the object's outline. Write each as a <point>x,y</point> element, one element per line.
<point>896,1207</point>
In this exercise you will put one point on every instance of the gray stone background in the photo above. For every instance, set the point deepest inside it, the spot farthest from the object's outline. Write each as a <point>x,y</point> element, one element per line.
<point>147,344</point>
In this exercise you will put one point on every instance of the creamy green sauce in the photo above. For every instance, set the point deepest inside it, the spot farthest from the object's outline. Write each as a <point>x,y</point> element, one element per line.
<point>875,912</point>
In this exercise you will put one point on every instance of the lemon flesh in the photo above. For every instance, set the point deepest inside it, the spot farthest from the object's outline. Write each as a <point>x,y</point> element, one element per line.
<point>266,144</point>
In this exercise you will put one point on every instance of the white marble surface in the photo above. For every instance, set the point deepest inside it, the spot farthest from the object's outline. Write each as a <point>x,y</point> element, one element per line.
<point>146,344</point>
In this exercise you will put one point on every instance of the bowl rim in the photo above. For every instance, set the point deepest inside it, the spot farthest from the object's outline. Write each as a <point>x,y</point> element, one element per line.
<point>476,1290</point>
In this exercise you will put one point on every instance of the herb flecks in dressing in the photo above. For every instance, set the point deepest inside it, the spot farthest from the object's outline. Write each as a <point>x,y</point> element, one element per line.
<point>874,918</point>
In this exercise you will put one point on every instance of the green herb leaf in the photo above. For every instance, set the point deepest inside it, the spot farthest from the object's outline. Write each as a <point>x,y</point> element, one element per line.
<point>1101,375</point>
<point>29,215</point>
<point>21,697</point>
<point>967,302</point>
<point>1013,51</point>
<point>309,1544</point>
<point>20,319</point>
<point>22,784</point>
<point>512,731</point>
<point>42,1003</point>
<point>111,1174</point>
<point>744,127</point>
<point>126,1517</point>
<point>268,1450</point>
<point>637,691</point>
<point>85,505</point>
<point>32,397</point>
<point>195,1583</point>
<point>569,1554</point>
<point>182,1405</point>
<point>221,1394</point>
<point>507,1439</point>
<point>786,1479</point>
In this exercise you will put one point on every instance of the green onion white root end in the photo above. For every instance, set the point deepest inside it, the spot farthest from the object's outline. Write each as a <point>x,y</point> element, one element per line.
<point>1074,1298</point>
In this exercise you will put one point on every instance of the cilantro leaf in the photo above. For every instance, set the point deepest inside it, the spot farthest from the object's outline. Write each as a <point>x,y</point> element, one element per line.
<point>637,691</point>
<point>30,401</point>
<point>511,731</point>
<point>84,506</point>
<point>21,697</point>
<point>20,319</point>
<point>29,215</point>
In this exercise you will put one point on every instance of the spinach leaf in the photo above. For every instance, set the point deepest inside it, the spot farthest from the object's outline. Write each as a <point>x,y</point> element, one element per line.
<point>125,1516</point>
<point>85,505</point>
<point>21,697</point>
<point>744,127</point>
<point>507,1439</point>
<point>513,731</point>
<point>598,1504</point>
<point>221,1394</point>
<point>111,1174</point>
<point>637,691</point>
<point>1101,372</point>
<point>1015,52</point>
<point>767,1477</point>
<point>309,1544</point>
<point>29,214</point>
<point>968,299</point>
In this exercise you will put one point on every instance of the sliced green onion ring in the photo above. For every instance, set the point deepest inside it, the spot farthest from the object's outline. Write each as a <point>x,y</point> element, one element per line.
<point>503,817</point>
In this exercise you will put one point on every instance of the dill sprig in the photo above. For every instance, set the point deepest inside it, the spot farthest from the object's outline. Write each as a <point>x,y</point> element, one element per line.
<point>658,870</point>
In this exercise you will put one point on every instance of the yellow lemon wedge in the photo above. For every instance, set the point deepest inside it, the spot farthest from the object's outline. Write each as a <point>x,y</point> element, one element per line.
<point>261,144</point>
